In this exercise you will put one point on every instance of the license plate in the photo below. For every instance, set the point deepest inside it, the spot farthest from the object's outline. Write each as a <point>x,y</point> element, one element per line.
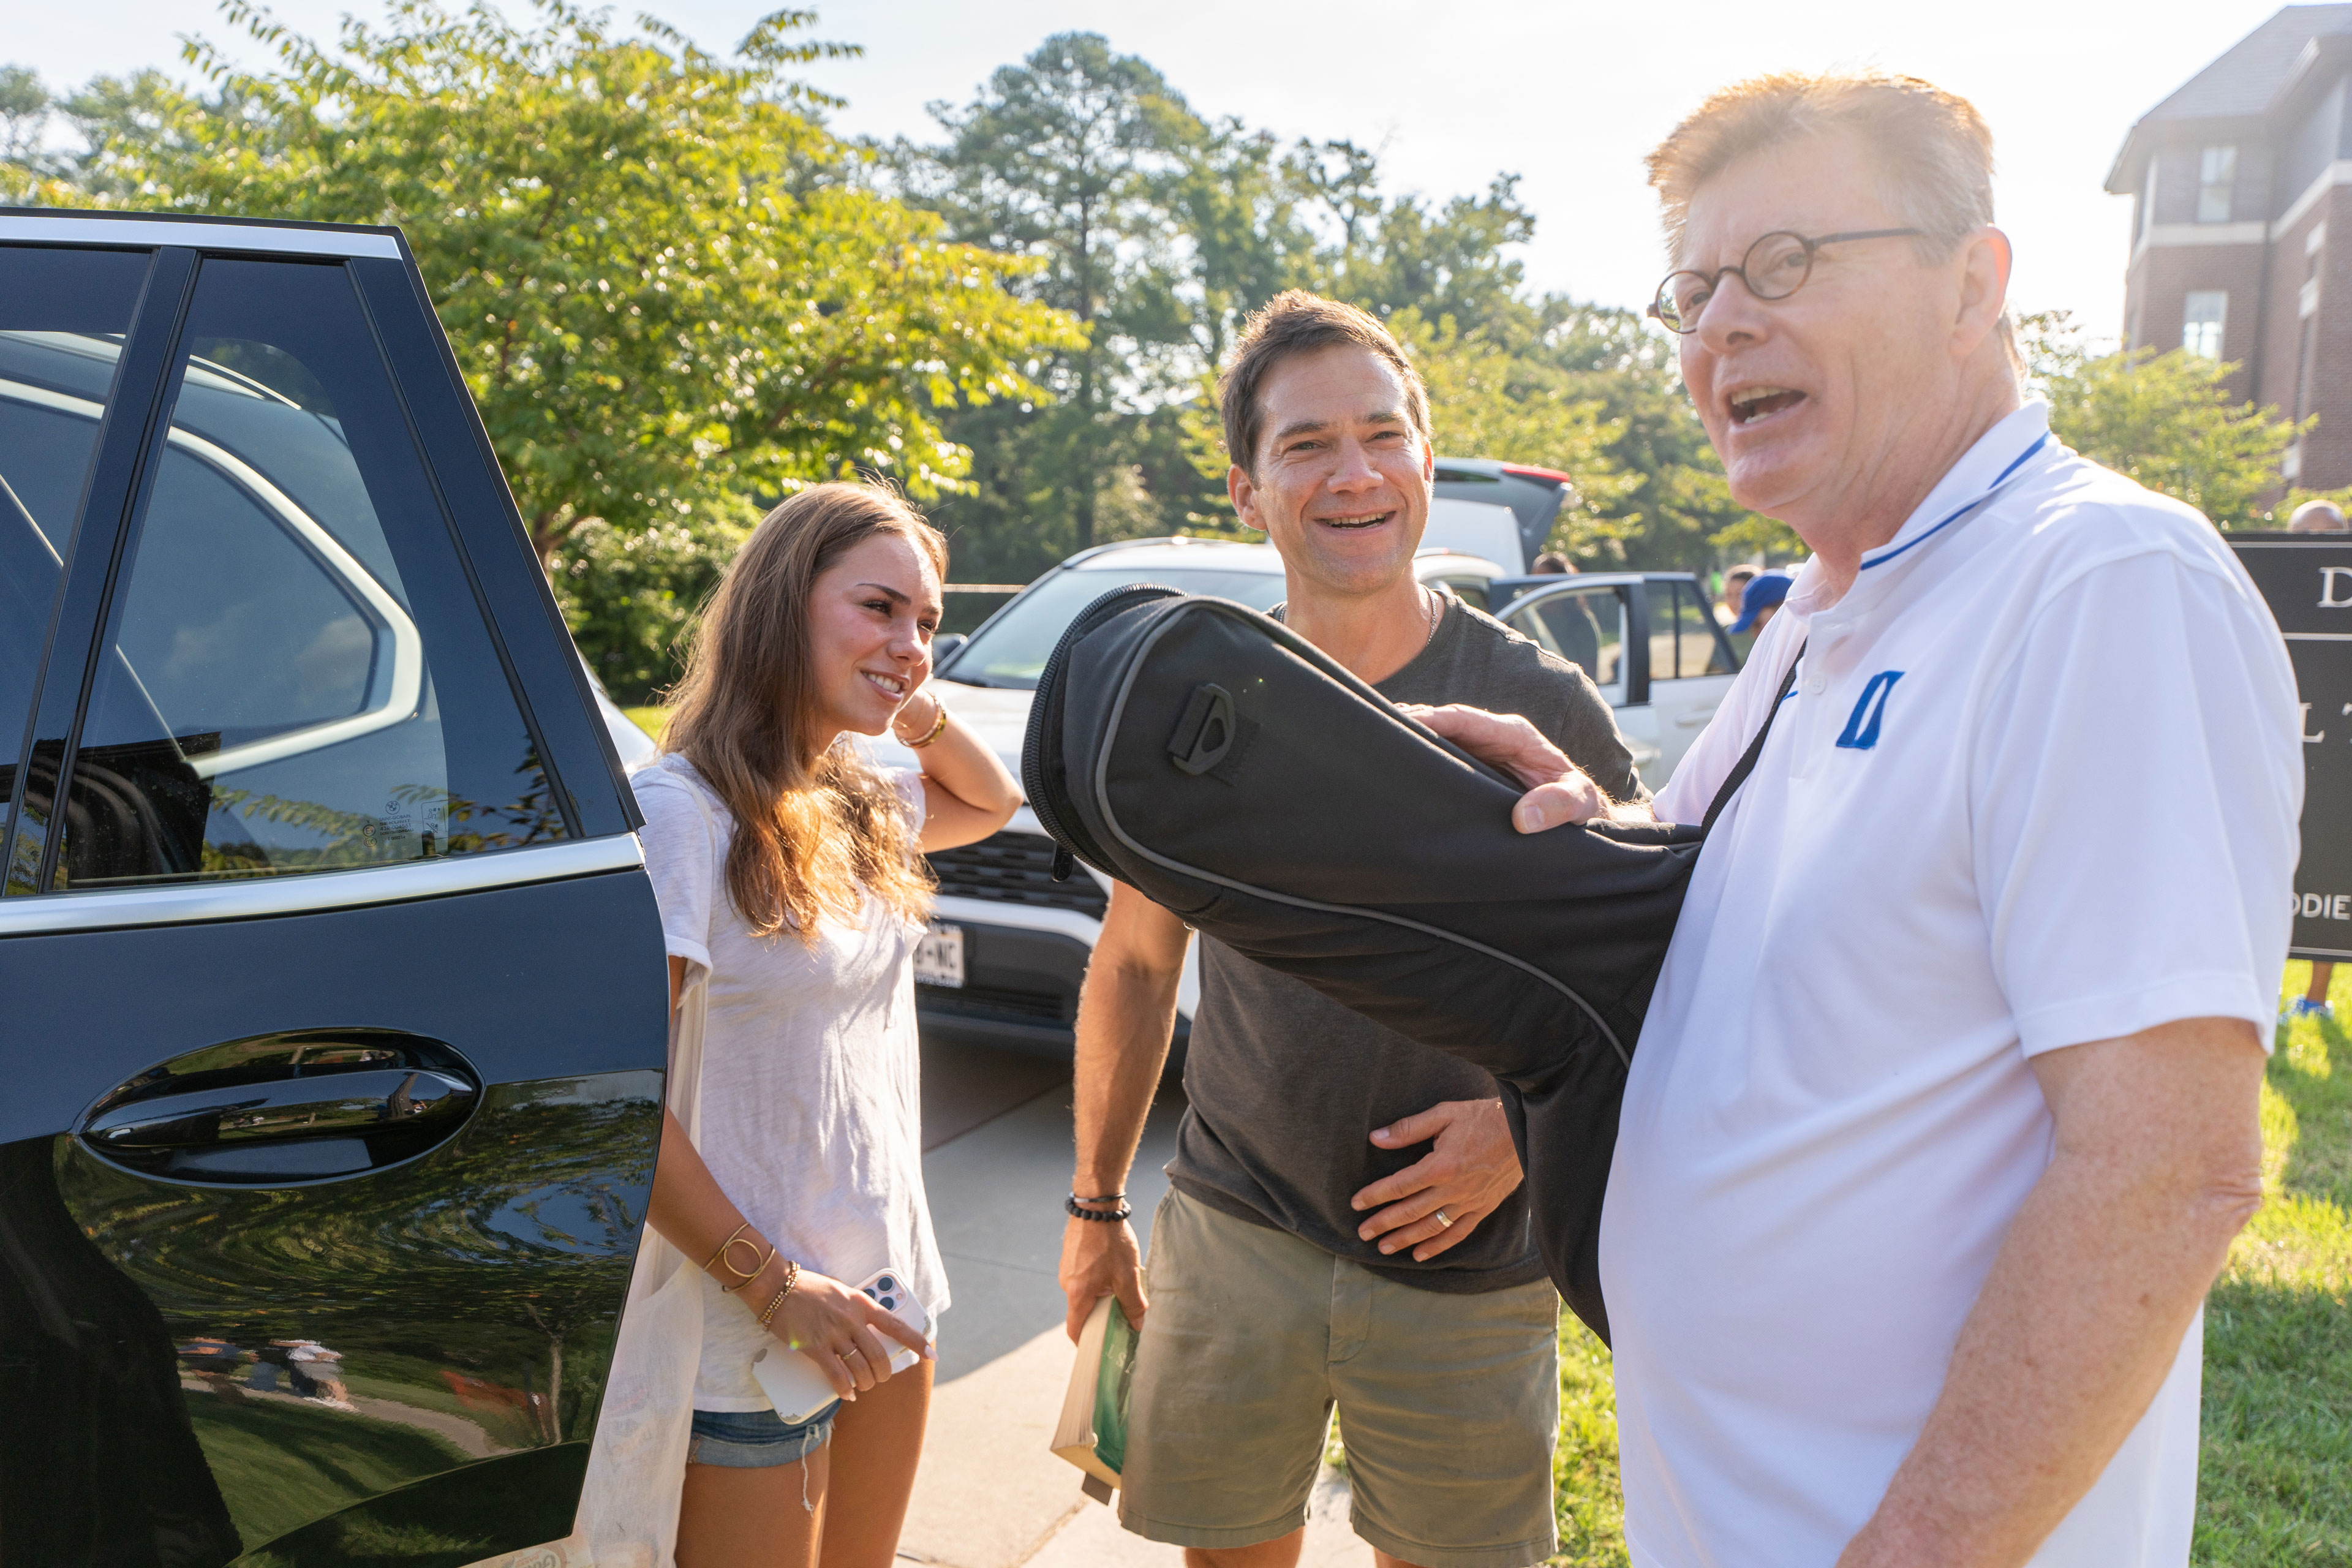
<point>939,956</point>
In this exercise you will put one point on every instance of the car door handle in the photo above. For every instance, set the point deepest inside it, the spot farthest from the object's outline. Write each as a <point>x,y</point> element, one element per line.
<point>301,1106</point>
<point>1692,721</point>
<point>338,1105</point>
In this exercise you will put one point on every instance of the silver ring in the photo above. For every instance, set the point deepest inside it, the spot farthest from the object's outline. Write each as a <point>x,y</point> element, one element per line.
<point>1444,1223</point>
<point>851,1351</point>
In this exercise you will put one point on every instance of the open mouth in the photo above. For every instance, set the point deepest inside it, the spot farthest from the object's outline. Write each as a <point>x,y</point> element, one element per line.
<point>891,686</point>
<point>1753,404</point>
<point>1360,520</point>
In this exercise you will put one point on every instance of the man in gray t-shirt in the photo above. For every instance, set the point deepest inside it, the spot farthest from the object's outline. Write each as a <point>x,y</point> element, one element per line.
<point>1347,1226</point>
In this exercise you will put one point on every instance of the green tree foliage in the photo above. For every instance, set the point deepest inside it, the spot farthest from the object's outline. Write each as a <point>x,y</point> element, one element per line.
<point>1071,157</point>
<point>2167,420</point>
<point>673,294</point>
<point>1483,398</point>
<point>1162,231</point>
<point>1680,516</point>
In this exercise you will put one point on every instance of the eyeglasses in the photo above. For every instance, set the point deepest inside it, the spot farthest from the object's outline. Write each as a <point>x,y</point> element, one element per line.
<point>1774,268</point>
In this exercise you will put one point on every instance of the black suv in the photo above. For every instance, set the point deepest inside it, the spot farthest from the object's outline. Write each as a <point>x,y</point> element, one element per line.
<point>334,1003</point>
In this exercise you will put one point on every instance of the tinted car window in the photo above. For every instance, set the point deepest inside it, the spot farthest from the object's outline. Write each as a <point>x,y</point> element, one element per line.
<point>1586,628</point>
<point>298,678</point>
<point>1471,591</point>
<point>1012,649</point>
<point>1698,651</point>
<point>50,409</point>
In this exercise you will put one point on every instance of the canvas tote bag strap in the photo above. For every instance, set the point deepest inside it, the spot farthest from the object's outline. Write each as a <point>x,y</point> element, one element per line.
<point>1747,763</point>
<point>636,1463</point>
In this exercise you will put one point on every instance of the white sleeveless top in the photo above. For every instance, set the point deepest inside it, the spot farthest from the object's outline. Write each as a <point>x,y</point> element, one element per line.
<point>811,1109</point>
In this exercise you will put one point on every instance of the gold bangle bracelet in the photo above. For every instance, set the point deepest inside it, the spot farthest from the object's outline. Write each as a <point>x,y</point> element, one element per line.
<point>938,728</point>
<point>746,1278</point>
<point>727,1255</point>
<point>723,1246</point>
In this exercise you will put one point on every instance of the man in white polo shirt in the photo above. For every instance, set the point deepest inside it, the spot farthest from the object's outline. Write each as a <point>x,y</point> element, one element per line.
<point>1945,1113</point>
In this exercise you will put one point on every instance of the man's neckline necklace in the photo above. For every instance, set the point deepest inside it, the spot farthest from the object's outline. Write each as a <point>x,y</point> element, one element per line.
<point>1432,605</point>
<point>1435,603</point>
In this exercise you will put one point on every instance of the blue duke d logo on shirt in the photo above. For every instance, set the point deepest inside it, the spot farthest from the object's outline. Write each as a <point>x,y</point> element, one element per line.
<point>1862,730</point>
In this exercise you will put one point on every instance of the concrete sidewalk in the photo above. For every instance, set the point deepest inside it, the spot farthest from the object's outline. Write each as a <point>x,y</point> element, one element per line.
<point>990,1493</point>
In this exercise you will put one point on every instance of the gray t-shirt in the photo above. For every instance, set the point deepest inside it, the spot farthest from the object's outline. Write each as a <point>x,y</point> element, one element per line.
<point>1286,1087</point>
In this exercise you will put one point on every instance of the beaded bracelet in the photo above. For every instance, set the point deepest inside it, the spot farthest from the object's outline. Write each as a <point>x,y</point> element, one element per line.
<point>792,1277</point>
<point>1074,1206</point>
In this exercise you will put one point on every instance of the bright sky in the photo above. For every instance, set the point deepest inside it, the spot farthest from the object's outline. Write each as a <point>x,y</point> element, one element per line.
<point>1567,93</point>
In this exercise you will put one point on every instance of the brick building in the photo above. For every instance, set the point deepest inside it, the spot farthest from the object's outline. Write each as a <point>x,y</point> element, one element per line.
<point>2237,181</point>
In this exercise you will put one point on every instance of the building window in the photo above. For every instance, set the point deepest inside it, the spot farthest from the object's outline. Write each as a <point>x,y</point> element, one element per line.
<point>2303,370</point>
<point>2201,322</point>
<point>2147,197</point>
<point>2217,171</point>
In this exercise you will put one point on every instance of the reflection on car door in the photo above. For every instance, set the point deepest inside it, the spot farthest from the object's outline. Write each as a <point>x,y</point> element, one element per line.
<point>333,987</point>
<point>1691,668</point>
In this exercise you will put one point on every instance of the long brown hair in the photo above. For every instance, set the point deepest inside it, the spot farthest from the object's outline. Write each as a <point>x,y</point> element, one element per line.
<point>813,822</point>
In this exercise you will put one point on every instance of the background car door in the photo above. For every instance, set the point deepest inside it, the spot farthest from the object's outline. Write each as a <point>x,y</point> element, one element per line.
<point>1691,668</point>
<point>1587,627</point>
<point>332,983</point>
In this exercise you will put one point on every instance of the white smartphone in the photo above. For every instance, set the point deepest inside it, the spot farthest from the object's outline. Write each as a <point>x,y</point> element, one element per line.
<point>793,1382</point>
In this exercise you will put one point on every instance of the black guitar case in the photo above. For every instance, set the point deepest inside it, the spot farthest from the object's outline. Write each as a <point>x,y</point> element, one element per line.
<point>1232,772</point>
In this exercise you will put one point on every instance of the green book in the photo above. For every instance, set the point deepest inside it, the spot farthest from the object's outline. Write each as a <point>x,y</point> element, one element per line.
<point>1092,1432</point>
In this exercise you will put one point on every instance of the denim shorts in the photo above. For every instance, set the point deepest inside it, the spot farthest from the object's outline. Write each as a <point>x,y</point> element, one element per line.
<point>755,1439</point>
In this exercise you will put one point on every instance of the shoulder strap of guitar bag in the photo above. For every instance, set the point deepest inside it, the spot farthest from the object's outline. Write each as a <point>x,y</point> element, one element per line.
<point>1746,763</point>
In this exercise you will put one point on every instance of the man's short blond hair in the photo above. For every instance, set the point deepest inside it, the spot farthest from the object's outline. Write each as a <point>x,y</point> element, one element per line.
<point>1933,150</point>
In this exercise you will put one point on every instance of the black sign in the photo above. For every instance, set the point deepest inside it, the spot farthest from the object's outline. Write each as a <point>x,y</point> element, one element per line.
<point>2307,579</point>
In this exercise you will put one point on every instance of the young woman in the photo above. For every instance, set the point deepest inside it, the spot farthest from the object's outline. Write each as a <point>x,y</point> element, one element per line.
<point>790,886</point>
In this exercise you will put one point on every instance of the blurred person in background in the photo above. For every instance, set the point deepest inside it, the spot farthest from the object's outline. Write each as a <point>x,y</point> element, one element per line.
<point>1758,603</point>
<point>1728,603</point>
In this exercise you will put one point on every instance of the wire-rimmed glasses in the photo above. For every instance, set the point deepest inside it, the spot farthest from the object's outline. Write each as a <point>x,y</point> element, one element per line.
<point>1774,268</point>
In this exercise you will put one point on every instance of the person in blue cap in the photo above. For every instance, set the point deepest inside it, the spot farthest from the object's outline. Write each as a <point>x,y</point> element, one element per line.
<point>1758,604</point>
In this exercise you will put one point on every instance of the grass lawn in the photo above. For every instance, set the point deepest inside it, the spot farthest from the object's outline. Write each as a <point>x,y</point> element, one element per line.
<point>652,721</point>
<point>2274,1485</point>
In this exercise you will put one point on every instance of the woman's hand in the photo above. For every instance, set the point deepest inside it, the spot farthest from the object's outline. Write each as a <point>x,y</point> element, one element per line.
<point>968,794</point>
<point>842,1329</point>
<point>918,716</point>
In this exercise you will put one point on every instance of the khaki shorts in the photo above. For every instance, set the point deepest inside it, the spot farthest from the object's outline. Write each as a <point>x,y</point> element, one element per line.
<point>1449,1404</point>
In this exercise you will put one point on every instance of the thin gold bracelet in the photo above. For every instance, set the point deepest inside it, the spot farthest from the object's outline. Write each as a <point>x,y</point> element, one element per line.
<point>937,730</point>
<point>792,1277</point>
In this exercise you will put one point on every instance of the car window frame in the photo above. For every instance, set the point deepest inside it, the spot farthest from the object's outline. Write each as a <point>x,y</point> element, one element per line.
<point>1529,603</point>
<point>1704,610</point>
<point>445,428</point>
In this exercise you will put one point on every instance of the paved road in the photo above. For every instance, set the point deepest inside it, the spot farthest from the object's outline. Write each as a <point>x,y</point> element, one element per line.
<point>997,1131</point>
